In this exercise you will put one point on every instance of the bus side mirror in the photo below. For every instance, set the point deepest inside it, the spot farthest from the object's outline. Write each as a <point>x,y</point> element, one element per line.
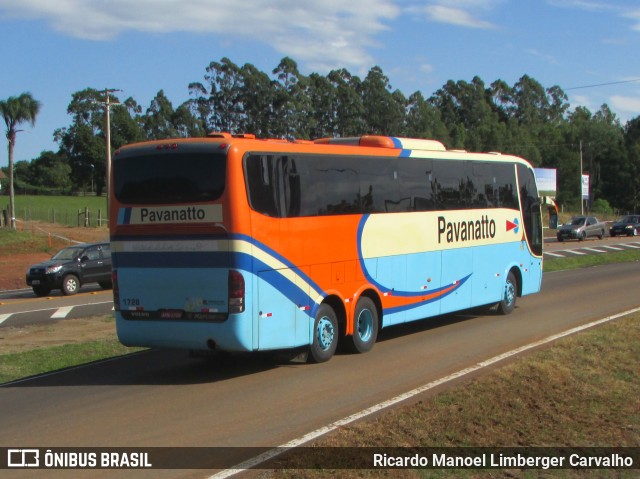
<point>553,221</point>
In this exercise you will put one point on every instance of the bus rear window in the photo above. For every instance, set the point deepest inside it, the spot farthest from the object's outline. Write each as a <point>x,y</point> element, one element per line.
<point>169,177</point>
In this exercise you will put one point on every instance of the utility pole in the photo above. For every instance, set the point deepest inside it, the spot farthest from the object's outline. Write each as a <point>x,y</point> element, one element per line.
<point>107,103</point>
<point>581,200</point>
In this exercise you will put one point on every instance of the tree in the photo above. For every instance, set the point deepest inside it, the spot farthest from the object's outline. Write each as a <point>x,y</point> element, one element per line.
<point>51,170</point>
<point>423,120</point>
<point>158,120</point>
<point>384,111</point>
<point>84,142</point>
<point>632,141</point>
<point>290,101</point>
<point>17,110</point>
<point>348,108</point>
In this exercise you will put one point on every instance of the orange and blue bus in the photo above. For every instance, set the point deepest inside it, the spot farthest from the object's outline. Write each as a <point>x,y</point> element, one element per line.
<point>233,243</point>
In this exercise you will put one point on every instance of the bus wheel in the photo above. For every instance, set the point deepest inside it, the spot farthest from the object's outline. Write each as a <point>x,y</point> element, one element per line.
<point>508,302</point>
<point>365,331</point>
<point>325,335</point>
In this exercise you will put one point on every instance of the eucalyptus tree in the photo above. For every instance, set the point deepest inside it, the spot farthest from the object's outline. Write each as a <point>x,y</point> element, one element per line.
<point>320,117</point>
<point>349,108</point>
<point>158,121</point>
<point>423,120</point>
<point>257,97</point>
<point>384,110</point>
<point>225,89</point>
<point>290,101</point>
<point>632,143</point>
<point>15,111</point>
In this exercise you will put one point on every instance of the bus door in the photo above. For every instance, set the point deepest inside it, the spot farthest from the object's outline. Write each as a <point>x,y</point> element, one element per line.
<point>532,218</point>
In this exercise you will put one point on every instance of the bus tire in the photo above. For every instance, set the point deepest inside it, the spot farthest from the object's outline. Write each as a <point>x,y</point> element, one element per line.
<point>508,303</point>
<point>365,328</point>
<point>325,335</point>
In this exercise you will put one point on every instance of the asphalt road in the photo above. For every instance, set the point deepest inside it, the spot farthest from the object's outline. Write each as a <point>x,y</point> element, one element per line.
<point>23,307</point>
<point>164,398</point>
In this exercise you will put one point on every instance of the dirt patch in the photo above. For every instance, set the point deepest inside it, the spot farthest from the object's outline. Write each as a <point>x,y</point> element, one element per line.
<point>70,331</point>
<point>47,236</point>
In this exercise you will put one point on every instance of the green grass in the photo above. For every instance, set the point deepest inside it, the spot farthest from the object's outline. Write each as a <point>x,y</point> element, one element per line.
<point>62,209</point>
<point>556,264</point>
<point>38,361</point>
<point>582,391</point>
<point>16,242</point>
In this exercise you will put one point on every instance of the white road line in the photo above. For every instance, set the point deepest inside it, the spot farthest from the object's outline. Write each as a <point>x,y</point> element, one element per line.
<point>573,251</point>
<point>595,250</point>
<point>629,245</point>
<point>614,248</point>
<point>249,463</point>
<point>4,317</point>
<point>62,312</point>
<point>554,254</point>
<point>49,309</point>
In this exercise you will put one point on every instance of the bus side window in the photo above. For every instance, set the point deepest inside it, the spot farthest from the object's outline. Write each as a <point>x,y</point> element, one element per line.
<point>262,195</point>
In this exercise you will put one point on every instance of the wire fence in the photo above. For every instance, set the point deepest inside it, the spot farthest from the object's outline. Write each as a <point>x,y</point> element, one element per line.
<point>81,217</point>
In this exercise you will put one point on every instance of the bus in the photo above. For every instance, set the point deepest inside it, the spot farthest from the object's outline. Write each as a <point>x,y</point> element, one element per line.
<point>233,243</point>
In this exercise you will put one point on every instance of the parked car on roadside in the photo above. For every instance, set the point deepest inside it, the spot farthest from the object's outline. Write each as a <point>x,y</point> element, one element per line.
<point>580,228</point>
<point>71,268</point>
<point>628,225</point>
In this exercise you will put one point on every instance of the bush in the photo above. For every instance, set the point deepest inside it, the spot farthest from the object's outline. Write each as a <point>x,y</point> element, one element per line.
<point>602,207</point>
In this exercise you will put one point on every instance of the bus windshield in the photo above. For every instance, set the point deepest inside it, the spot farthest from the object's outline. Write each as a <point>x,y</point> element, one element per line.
<point>155,177</point>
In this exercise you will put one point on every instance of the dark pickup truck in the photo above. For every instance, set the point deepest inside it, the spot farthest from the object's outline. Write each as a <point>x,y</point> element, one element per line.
<point>72,267</point>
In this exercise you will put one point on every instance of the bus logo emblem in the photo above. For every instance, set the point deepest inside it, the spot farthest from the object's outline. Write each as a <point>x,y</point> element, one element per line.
<point>513,225</point>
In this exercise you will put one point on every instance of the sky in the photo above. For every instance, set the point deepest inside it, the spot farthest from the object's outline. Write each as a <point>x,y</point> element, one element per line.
<point>54,48</point>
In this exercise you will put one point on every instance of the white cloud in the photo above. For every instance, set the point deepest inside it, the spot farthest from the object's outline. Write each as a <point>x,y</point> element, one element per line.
<point>635,16</point>
<point>626,104</point>
<point>322,32</point>
<point>544,56</point>
<point>623,11</point>
<point>463,13</point>
<point>455,16</point>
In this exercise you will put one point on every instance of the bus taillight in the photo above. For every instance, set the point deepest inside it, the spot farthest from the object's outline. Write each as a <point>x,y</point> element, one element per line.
<point>116,290</point>
<point>236,292</point>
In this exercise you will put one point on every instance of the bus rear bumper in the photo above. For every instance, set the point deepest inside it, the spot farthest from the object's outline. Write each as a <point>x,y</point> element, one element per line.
<point>230,335</point>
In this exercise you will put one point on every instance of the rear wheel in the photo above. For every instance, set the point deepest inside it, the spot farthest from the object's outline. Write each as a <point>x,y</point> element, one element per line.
<point>365,331</point>
<point>325,335</point>
<point>508,303</point>
<point>70,284</point>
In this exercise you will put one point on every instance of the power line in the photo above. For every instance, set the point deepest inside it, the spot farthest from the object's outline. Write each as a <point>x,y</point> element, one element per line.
<point>603,84</point>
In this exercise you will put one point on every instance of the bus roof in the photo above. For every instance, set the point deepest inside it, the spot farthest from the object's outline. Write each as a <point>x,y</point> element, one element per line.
<point>413,147</point>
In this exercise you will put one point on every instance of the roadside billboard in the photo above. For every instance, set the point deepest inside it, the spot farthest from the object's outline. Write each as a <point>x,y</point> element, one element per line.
<point>546,181</point>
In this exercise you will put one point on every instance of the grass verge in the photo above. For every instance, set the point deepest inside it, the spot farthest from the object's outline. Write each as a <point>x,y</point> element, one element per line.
<point>18,242</point>
<point>41,348</point>
<point>38,361</point>
<point>581,391</point>
<point>556,264</point>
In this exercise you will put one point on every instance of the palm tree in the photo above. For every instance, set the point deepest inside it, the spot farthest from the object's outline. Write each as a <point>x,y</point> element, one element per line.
<point>16,110</point>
